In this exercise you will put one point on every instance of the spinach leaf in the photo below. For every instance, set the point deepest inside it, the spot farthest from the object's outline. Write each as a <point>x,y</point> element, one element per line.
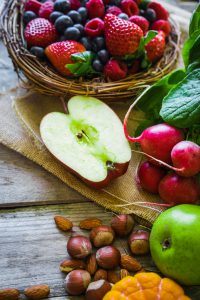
<point>181,107</point>
<point>188,48</point>
<point>151,101</point>
<point>195,21</point>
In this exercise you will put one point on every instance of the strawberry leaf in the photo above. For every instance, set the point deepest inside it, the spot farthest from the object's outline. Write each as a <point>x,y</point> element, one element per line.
<point>82,63</point>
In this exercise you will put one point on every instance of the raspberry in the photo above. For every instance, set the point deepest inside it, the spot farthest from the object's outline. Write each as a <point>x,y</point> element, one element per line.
<point>46,9</point>
<point>161,12</point>
<point>95,8</point>
<point>129,7</point>
<point>135,67</point>
<point>115,70</point>
<point>94,27</point>
<point>141,22</point>
<point>162,25</point>
<point>32,5</point>
<point>114,10</point>
<point>75,4</point>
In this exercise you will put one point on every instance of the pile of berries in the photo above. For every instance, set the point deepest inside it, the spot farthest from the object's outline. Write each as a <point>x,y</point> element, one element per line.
<point>94,37</point>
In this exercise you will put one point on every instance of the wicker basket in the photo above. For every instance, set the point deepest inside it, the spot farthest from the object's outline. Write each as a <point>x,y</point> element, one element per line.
<point>43,78</point>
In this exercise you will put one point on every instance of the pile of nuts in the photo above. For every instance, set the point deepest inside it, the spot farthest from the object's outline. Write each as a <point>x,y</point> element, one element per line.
<point>106,264</point>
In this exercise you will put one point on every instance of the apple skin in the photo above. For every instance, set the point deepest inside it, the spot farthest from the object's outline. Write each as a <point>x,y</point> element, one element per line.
<point>175,243</point>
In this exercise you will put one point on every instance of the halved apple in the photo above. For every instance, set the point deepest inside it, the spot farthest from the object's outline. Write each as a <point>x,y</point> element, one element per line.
<point>89,140</point>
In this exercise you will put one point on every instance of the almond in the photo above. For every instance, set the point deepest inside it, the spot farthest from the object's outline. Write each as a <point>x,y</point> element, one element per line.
<point>37,292</point>
<point>63,223</point>
<point>9,294</point>
<point>113,276</point>
<point>91,264</point>
<point>90,223</point>
<point>129,263</point>
<point>69,265</point>
<point>124,273</point>
<point>101,274</point>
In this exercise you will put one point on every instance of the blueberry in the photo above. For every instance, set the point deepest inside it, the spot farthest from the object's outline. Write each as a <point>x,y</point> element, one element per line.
<point>72,33</point>
<point>97,65</point>
<point>38,52</point>
<point>62,5</point>
<point>83,12</point>
<point>80,28</point>
<point>150,15</point>
<point>98,43</point>
<point>83,3</point>
<point>28,16</point>
<point>75,16</point>
<point>103,55</point>
<point>115,2</point>
<point>123,16</point>
<point>55,15</point>
<point>142,12</point>
<point>62,23</point>
<point>86,43</point>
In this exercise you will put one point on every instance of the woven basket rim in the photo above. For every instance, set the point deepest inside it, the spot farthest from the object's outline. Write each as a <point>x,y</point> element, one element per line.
<point>45,79</point>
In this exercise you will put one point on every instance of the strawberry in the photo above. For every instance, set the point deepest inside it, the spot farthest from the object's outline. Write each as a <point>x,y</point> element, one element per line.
<point>60,53</point>
<point>141,22</point>
<point>162,25</point>
<point>32,5</point>
<point>95,8</point>
<point>129,7</point>
<point>156,47</point>
<point>46,9</point>
<point>122,37</point>
<point>161,12</point>
<point>40,32</point>
<point>115,70</point>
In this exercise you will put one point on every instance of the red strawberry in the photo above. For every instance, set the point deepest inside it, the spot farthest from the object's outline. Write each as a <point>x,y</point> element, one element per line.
<point>32,5</point>
<point>75,4</point>
<point>129,7</point>
<point>60,53</point>
<point>114,10</point>
<point>95,9</point>
<point>46,9</point>
<point>141,22</point>
<point>115,70</point>
<point>40,32</point>
<point>156,47</point>
<point>122,37</point>
<point>162,25</point>
<point>161,12</point>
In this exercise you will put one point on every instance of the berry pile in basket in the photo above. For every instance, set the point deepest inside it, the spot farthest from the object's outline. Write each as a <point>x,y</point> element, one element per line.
<point>113,38</point>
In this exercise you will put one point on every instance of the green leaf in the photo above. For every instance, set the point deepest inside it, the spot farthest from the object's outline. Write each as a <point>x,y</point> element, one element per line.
<point>193,66</point>
<point>195,21</point>
<point>151,101</point>
<point>181,107</point>
<point>191,48</point>
<point>194,134</point>
<point>149,36</point>
<point>82,64</point>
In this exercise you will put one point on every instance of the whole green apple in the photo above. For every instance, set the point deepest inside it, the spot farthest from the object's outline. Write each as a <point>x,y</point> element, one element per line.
<point>175,243</point>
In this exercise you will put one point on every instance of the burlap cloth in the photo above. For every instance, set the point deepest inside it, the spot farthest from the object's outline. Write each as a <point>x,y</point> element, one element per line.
<point>20,116</point>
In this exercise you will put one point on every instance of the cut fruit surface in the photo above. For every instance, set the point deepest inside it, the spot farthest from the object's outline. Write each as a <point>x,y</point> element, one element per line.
<point>89,140</point>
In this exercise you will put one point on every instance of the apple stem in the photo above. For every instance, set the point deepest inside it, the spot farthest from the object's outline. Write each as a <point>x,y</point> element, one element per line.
<point>133,139</point>
<point>64,105</point>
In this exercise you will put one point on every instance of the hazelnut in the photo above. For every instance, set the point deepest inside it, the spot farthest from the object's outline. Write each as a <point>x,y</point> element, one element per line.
<point>97,290</point>
<point>79,246</point>
<point>77,282</point>
<point>102,236</point>
<point>108,257</point>
<point>91,264</point>
<point>139,242</point>
<point>122,224</point>
<point>101,274</point>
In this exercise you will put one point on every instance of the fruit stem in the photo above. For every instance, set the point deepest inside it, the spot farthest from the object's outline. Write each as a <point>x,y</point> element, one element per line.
<point>129,138</point>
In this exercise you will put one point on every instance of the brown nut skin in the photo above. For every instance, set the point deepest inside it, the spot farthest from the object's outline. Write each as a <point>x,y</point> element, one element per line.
<point>122,224</point>
<point>101,274</point>
<point>69,265</point>
<point>97,290</point>
<point>37,292</point>
<point>90,223</point>
<point>108,257</point>
<point>63,223</point>
<point>9,294</point>
<point>91,264</point>
<point>102,236</point>
<point>139,242</point>
<point>77,282</point>
<point>79,246</point>
<point>130,263</point>
<point>114,276</point>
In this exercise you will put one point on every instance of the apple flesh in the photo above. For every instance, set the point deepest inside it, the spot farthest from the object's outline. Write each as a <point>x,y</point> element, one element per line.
<point>89,140</point>
<point>175,243</point>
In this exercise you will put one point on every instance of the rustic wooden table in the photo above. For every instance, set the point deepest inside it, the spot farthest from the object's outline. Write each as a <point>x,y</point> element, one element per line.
<point>31,247</point>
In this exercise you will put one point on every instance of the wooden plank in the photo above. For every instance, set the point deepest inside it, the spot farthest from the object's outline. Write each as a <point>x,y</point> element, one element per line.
<point>31,246</point>
<point>23,183</point>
